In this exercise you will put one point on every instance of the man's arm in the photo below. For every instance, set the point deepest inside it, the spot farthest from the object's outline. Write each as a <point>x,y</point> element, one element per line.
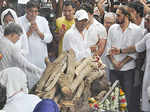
<point>101,47</point>
<point>126,60</point>
<point>116,51</point>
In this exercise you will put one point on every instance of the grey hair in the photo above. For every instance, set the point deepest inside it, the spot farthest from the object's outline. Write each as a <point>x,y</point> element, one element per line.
<point>110,15</point>
<point>13,28</point>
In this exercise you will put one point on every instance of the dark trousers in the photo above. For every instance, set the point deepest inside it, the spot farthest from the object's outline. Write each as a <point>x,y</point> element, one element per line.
<point>126,79</point>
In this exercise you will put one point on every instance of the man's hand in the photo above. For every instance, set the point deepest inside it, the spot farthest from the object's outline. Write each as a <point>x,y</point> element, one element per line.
<point>61,33</point>
<point>118,65</point>
<point>114,51</point>
<point>94,48</point>
<point>34,27</point>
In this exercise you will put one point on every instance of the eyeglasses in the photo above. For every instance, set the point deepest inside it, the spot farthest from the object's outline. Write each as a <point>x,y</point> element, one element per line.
<point>33,11</point>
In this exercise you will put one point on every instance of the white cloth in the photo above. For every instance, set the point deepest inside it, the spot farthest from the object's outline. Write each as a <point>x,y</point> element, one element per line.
<point>14,79</point>
<point>119,39</point>
<point>144,31</point>
<point>37,46</point>
<point>22,43</point>
<point>74,40</point>
<point>140,47</point>
<point>2,111</point>
<point>21,102</point>
<point>13,58</point>
<point>95,32</point>
<point>142,23</point>
<point>22,1</point>
<point>16,87</point>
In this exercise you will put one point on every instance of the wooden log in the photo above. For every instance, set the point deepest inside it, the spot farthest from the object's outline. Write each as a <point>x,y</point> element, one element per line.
<point>55,76</point>
<point>82,65</point>
<point>69,90</point>
<point>79,92</point>
<point>71,66</point>
<point>49,69</point>
<point>45,76</point>
<point>94,75</point>
<point>50,94</point>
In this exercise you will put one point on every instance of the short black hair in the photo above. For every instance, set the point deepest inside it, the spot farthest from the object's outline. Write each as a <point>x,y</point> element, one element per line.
<point>3,96</point>
<point>33,4</point>
<point>88,7</point>
<point>68,3</point>
<point>13,28</point>
<point>138,7</point>
<point>124,11</point>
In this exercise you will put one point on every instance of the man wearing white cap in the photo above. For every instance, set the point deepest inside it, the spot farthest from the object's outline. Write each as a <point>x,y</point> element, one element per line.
<point>74,38</point>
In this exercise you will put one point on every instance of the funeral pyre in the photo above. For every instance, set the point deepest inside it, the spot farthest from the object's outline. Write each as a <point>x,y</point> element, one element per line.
<point>70,83</point>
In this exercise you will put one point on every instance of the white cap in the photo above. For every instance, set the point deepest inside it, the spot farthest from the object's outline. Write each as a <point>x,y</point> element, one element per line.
<point>81,14</point>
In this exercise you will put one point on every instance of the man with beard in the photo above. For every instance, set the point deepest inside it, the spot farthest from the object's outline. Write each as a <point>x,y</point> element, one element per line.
<point>140,47</point>
<point>122,66</point>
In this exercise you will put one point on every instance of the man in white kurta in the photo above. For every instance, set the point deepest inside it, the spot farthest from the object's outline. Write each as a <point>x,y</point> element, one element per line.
<point>74,38</point>
<point>38,33</point>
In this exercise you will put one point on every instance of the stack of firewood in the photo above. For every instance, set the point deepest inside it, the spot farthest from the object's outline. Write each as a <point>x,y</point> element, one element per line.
<point>69,83</point>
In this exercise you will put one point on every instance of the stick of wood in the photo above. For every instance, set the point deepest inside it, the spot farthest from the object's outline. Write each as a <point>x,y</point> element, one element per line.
<point>79,92</point>
<point>94,75</point>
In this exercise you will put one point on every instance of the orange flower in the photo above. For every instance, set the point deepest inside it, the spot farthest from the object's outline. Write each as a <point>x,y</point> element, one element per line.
<point>121,92</point>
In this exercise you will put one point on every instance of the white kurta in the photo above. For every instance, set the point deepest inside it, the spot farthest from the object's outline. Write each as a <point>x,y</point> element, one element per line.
<point>13,58</point>
<point>37,47</point>
<point>22,43</point>
<point>74,40</point>
<point>142,45</point>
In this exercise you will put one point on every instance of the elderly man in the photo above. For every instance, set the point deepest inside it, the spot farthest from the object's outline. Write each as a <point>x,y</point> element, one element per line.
<point>75,38</point>
<point>109,19</point>
<point>38,34</point>
<point>11,56</point>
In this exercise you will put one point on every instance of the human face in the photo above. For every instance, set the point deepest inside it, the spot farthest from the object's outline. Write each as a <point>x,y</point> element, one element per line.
<point>147,22</point>
<point>81,24</point>
<point>133,14</point>
<point>68,12</point>
<point>108,21</point>
<point>8,19</point>
<point>90,17</point>
<point>32,13</point>
<point>15,37</point>
<point>120,18</point>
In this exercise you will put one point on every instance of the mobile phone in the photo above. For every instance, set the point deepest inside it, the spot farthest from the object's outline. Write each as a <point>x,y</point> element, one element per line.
<point>63,27</point>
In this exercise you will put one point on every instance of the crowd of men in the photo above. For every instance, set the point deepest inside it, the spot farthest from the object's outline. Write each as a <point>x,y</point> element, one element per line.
<point>118,32</point>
